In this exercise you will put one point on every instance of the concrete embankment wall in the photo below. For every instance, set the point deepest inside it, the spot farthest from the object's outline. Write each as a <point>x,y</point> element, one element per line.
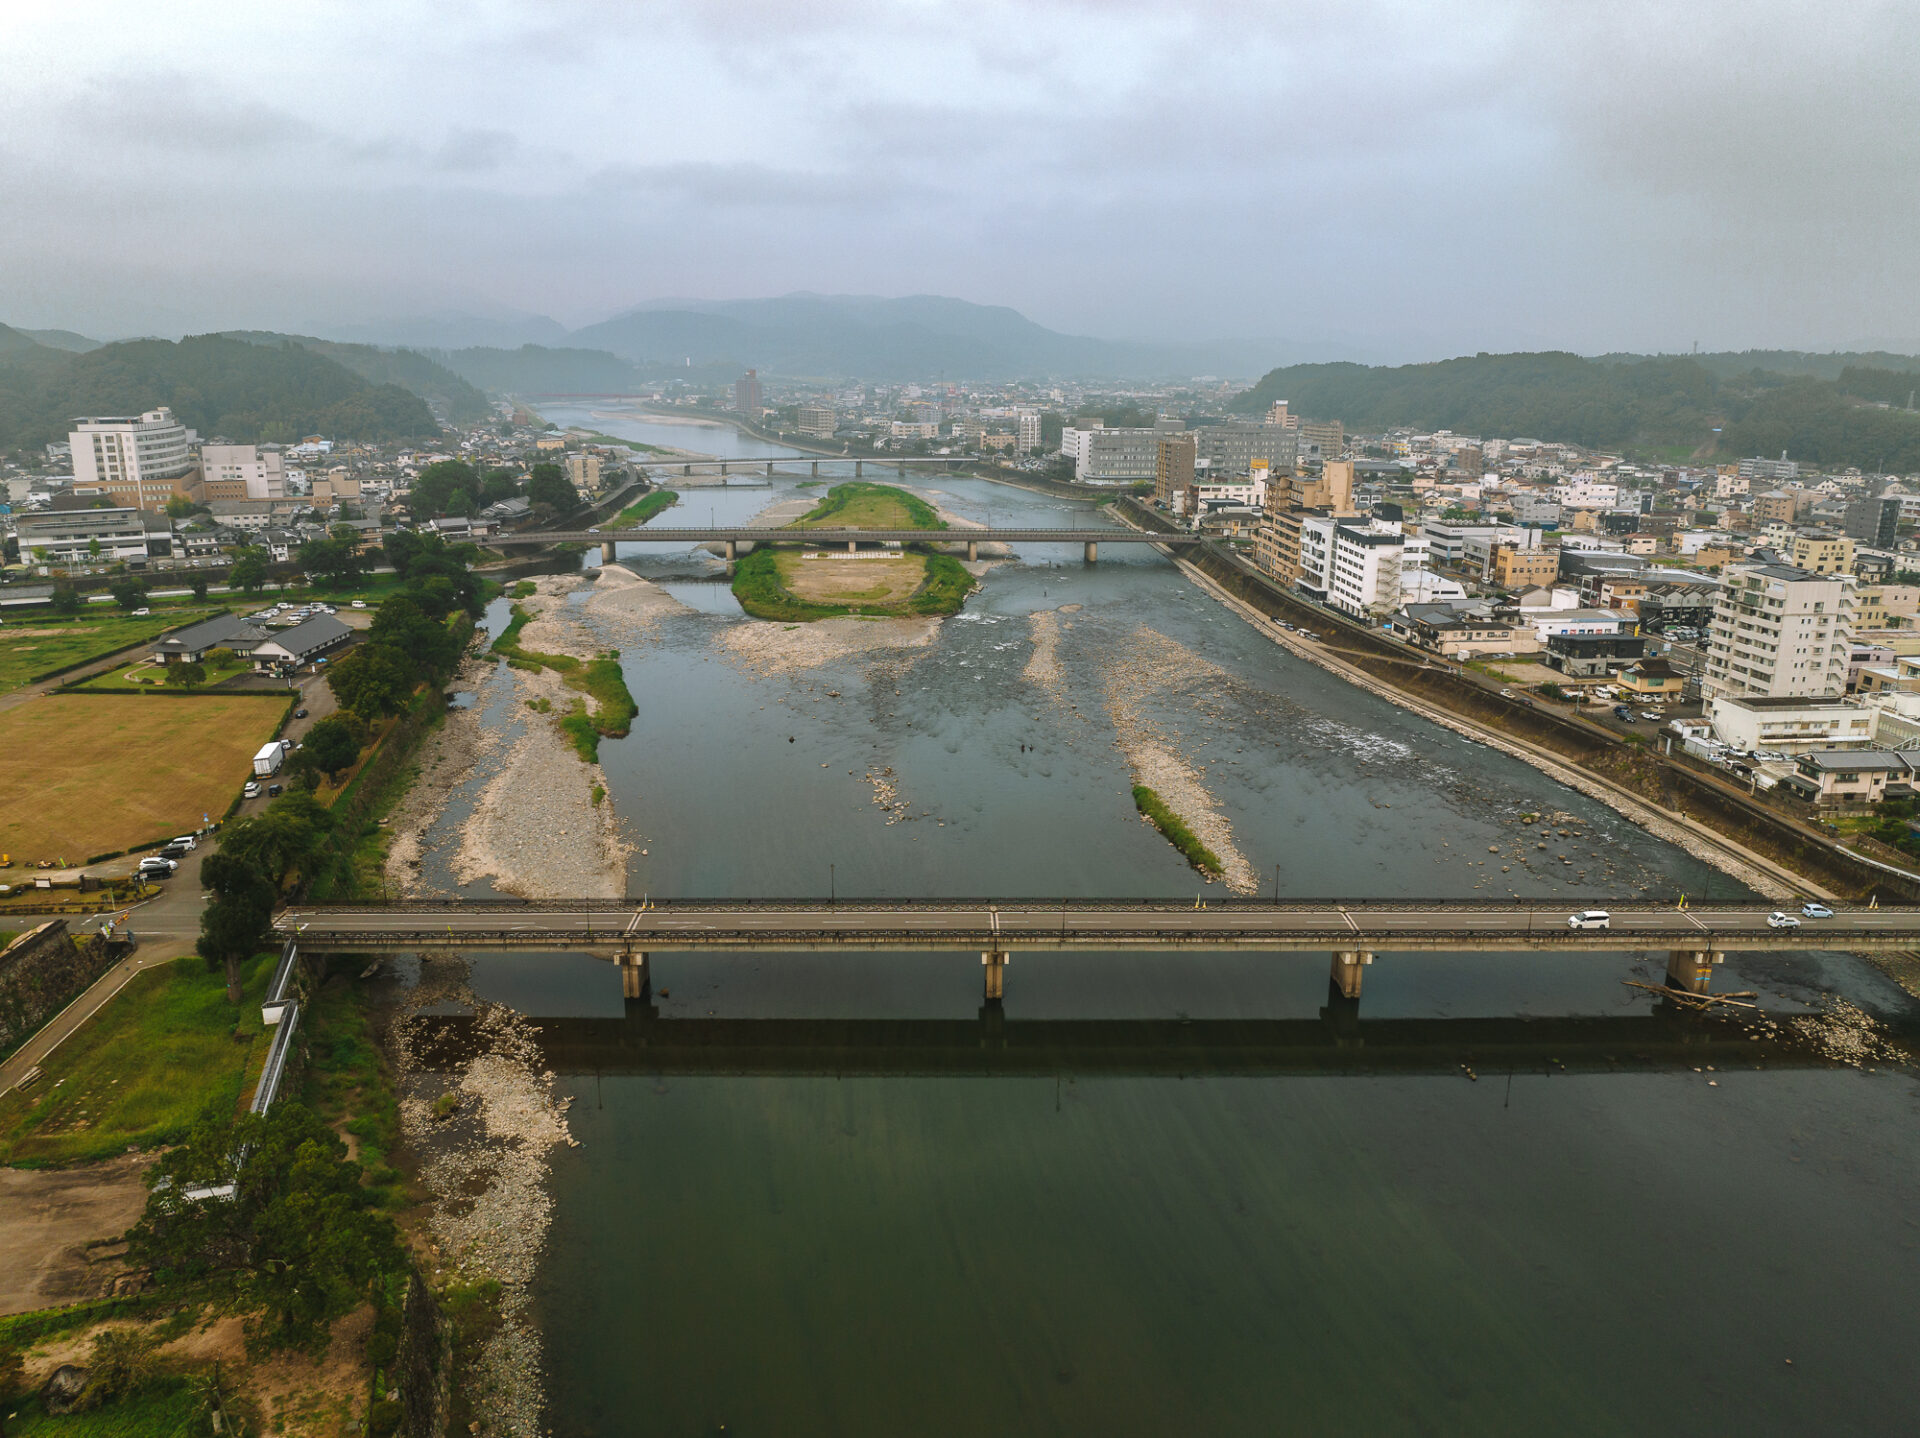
<point>40,974</point>
<point>1641,771</point>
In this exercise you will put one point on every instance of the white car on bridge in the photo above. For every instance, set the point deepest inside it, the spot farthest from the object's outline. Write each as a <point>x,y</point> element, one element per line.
<point>1590,919</point>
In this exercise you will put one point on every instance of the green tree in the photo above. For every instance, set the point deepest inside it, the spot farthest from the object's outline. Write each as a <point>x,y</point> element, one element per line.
<point>276,842</point>
<point>123,1362</point>
<point>93,549</point>
<point>300,1240</point>
<point>334,743</point>
<point>249,571</point>
<point>128,593</point>
<point>334,563</point>
<point>372,680</point>
<point>238,923</point>
<point>189,674</point>
<point>547,485</point>
<point>435,487</point>
<point>200,588</point>
<point>65,599</point>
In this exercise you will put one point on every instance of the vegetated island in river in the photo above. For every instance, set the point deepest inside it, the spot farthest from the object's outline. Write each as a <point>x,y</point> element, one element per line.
<point>797,584</point>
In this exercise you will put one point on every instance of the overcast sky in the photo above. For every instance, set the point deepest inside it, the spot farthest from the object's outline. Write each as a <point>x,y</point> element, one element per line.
<point>1395,180</point>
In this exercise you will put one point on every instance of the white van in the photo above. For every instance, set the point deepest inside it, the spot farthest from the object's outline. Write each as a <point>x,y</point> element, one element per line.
<point>1590,919</point>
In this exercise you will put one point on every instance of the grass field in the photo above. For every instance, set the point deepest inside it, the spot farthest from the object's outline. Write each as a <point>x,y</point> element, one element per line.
<point>31,644</point>
<point>88,774</point>
<point>642,509</point>
<point>760,584</point>
<point>140,1073</point>
<point>143,672</point>
<point>879,582</point>
<point>170,1408</point>
<point>859,505</point>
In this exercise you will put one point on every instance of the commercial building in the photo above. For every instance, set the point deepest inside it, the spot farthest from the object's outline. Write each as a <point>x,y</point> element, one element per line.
<point>92,536</point>
<point>1769,469</point>
<point>1821,553</point>
<point>817,420</point>
<point>1874,521</point>
<point>302,644</point>
<point>258,473</point>
<point>1512,567</point>
<point>1111,456</point>
<point>120,449</point>
<point>1748,722</point>
<point>1464,630</point>
<point>1329,434</point>
<point>747,398</point>
<point>1779,632</point>
<point>1173,467</point>
<point>1223,450</point>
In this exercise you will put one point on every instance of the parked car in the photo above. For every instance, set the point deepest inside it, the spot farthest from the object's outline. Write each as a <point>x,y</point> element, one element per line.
<point>1815,910</point>
<point>252,791</point>
<point>1778,920</point>
<point>1506,694</point>
<point>1620,711</point>
<point>141,613</point>
<point>1650,716</point>
<point>185,841</point>
<point>359,604</point>
<point>273,790</point>
<point>154,864</point>
<point>1590,919</point>
<point>299,713</point>
<point>172,851</point>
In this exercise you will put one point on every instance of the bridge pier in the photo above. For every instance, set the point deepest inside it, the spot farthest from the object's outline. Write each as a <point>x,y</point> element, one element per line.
<point>686,469</point>
<point>1349,965</point>
<point>733,550</point>
<point>769,469</point>
<point>634,976</point>
<point>816,469</point>
<point>1691,970</point>
<point>973,550</point>
<point>902,470</point>
<point>723,467</point>
<point>859,468</point>
<point>852,546</point>
<point>1092,552</point>
<point>995,961</point>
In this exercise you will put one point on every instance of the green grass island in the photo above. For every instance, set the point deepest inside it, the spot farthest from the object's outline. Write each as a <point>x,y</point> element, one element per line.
<point>796,585</point>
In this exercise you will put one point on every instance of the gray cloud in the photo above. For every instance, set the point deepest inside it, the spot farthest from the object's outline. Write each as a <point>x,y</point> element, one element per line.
<point>1398,176</point>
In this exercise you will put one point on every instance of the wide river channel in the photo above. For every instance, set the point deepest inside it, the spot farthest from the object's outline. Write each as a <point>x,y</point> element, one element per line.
<point>1160,1195</point>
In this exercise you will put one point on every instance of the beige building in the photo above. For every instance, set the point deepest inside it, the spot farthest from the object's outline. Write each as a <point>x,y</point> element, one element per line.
<point>583,473</point>
<point>1779,632</point>
<point>1822,553</point>
<point>1511,567</point>
<point>1173,467</point>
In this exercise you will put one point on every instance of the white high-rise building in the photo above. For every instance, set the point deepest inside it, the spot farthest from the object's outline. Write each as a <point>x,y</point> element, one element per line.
<point>1779,632</point>
<point>1359,567</point>
<point>110,449</point>
<point>263,471</point>
<point>1029,430</point>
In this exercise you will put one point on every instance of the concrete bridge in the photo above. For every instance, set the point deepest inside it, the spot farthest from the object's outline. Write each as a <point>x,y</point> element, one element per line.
<point>733,537</point>
<point>1354,931</point>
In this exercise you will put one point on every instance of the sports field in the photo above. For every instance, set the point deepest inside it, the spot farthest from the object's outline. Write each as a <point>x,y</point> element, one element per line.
<point>87,774</point>
<point>32,644</point>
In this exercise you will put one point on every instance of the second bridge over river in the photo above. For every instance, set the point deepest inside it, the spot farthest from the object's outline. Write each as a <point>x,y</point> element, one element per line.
<point>998,929</point>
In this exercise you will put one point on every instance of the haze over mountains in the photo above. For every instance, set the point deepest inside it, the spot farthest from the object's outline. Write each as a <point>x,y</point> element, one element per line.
<point>855,337</point>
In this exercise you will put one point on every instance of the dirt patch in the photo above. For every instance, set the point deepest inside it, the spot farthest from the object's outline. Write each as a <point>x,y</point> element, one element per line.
<point>771,648</point>
<point>47,1219</point>
<point>847,580</point>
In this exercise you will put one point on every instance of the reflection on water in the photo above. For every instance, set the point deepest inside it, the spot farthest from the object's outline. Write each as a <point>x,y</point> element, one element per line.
<point>825,1194</point>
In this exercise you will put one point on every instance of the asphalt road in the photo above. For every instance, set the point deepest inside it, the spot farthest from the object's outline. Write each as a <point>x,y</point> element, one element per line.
<point>1026,923</point>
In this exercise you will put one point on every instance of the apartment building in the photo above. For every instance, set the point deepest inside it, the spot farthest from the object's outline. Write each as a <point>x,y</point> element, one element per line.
<point>1779,632</point>
<point>1173,467</point>
<point>817,421</point>
<point>1329,434</point>
<point>1029,430</point>
<point>1769,469</point>
<point>1356,566</point>
<point>1512,567</point>
<point>583,473</point>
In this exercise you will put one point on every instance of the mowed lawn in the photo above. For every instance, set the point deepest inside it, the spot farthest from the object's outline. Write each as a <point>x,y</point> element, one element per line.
<point>142,1070</point>
<point>88,774</point>
<point>32,644</point>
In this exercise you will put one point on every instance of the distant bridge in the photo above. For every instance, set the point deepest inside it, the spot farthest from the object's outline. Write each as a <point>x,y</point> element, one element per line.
<point>734,536</point>
<point>1354,931</point>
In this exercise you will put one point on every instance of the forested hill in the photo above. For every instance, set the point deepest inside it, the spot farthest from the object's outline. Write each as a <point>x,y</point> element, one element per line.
<point>414,372</point>
<point>1663,404</point>
<point>216,385</point>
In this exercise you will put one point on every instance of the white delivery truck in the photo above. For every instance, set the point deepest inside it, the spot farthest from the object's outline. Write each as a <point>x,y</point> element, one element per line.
<point>270,758</point>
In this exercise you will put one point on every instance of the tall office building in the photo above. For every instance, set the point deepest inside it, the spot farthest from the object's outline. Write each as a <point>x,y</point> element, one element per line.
<point>1230,449</point>
<point>747,398</point>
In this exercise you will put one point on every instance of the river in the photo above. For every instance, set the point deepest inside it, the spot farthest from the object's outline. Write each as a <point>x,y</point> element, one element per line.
<point>793,1236</point>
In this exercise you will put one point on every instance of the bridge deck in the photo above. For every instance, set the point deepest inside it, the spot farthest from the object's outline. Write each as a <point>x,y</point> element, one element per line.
<point>656,534</point>
<point>609,926</point>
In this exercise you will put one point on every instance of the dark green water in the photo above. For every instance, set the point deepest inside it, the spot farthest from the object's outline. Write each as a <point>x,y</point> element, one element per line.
<point>809,1240</point>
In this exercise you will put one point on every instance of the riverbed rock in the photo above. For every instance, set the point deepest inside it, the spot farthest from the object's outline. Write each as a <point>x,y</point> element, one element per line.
<point>63,1389</point>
